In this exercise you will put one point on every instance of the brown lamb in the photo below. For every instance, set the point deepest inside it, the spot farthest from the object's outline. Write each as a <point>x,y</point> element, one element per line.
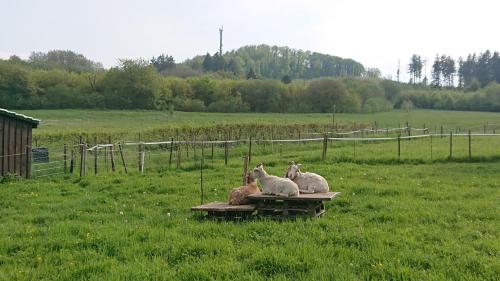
<point>238,196</point>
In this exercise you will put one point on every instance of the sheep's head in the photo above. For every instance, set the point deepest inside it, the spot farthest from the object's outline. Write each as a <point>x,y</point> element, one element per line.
<point>249,178</point>
<point>292,171</point>
<point>258,171</point>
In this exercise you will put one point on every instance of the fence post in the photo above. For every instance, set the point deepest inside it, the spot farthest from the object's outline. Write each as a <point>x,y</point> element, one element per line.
<point>399,147</point>
<point>95,156</point>
<point>84,158</point>
<point>323,153</point>
<point>212,156</point>
<point>225,152</point>
<point>470,147</point>
<point>354,149</point>
<point>178,158</point>
<point>171,149</point>
<point>123,159</point>
<point>111,155</point>
<point>28,161</point>
<point>201,180</point>
<point>250,149</point>
<point>72,160</point>
<point>245,169</point>
<point>451,145</point>
<point>65,152</point>
<point>80,148</point>
<point>141,157</point>
<point>431,146</point>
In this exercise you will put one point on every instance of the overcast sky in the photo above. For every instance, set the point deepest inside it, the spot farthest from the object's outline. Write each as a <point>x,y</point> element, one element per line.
<point>376,33</point>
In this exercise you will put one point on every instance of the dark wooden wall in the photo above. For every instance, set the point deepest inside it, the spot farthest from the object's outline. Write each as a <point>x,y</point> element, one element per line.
<point>15,147</point>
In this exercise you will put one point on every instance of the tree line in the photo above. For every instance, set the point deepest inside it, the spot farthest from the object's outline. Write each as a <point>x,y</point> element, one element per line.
<point>474,72</point>
<point>138,84</point>
<point>68,80</point>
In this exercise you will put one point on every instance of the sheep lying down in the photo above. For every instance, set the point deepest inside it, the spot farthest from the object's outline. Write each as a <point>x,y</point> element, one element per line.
<point>274,185</point>
<point>307,182</point>
<point>238,196</point>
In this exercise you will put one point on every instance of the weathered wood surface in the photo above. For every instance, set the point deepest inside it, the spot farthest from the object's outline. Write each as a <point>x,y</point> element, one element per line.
<point>328,196</point>
<point>224,207</point>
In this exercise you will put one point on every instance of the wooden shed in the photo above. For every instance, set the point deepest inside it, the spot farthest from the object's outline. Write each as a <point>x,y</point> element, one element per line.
<point>15,143</point>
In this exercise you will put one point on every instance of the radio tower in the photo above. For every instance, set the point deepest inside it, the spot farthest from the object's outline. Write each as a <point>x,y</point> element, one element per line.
<point>221,29</point>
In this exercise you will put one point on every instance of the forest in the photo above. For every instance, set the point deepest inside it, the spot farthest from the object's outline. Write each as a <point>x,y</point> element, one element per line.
<point>251,79</point>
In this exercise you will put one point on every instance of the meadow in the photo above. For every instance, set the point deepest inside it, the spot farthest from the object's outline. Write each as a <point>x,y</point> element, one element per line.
<point>127,124</point>
<point>421,217</point>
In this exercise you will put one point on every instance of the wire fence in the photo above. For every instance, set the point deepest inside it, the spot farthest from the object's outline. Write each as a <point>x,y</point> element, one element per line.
<point>364,145</point>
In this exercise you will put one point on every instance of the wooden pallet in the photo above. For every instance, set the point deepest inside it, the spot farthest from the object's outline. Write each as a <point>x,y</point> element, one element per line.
<point>224,210</point>
<point>282,207</point>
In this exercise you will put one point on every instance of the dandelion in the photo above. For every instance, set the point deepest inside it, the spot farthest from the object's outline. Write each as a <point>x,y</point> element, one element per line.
<point>121,213</point>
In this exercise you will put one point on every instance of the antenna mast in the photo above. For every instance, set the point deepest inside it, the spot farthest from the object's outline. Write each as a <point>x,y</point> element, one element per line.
<point>221,29</point>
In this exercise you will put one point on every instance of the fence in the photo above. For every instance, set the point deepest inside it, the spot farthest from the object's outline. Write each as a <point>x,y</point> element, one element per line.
<point>388,144</point>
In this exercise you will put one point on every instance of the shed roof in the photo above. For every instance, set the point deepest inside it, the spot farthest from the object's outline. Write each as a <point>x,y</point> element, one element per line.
<point>33,121</point>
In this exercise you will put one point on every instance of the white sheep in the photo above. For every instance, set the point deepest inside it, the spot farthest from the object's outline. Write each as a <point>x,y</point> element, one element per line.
<point>275,185</point>
<point>307,182</point>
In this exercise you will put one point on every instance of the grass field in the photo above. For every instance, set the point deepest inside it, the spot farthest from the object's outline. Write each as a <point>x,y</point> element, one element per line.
<point>413,219</point>
<point>56,124</point>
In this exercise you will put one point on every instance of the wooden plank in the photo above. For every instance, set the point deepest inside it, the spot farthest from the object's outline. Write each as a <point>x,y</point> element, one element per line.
<point>12,145</point>
<point>224,207</point>
<point>328,196</point>
<point>22,170</point>
<point>1,144</point>
<point>28,150</point>
<point>6,132</point>
<point>18,148</point>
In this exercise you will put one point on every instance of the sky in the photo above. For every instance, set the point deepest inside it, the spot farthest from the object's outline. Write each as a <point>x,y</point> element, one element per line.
<point>376,33</point>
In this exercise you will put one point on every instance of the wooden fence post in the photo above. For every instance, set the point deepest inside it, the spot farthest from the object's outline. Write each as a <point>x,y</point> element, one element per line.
<point>171,149</point>
<point>431,146</point>
<point>28,161</point>
<point>123,159</point>
<point>354,149</point>
<point>470,147</point>
<point>178,158</point>
<point>225,152</point>
<point>212,156</point>
<point>399,147</point>
<point>250,149</point>
<point>201,180</point>
<point>72,160</point>
<point>65,154</point>
<point>451,145</point>
<point>245,169</point>
<point>95,156</point>
<point>84,158</point>
<point>112,155</point>
<point>141,157</point>
<point>80,148</point>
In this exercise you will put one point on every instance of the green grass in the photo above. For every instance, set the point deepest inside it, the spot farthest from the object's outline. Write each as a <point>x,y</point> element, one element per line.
<point>419,222</point>
<point>60,124</point>
<point>408,219</point>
